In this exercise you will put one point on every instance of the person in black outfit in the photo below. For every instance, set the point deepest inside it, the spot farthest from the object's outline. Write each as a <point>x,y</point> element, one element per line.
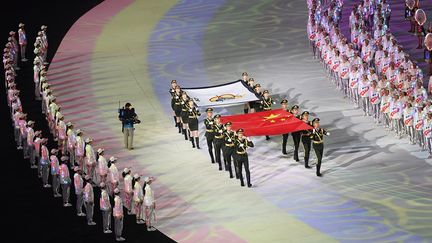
<point>229,138</point>
<point>241,156</point>
<point>218,139</point>
<point>173,93</point>
<point>193,124</point>
<point>266,104</point>
<point>244,79</point>
<point>257,104</point>
<point>176,106</point>
<point>284,105</point>
<point>296,135</point>
<point>184,114</point>
<point>305,138</point>
<point>251,85</point>
<point>210,132</point>
<point>317,137</point>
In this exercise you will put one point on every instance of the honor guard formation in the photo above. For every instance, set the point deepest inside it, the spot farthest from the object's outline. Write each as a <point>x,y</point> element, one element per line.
<point>371,68</point>
<point>228,148</point>
<point>73,154</point>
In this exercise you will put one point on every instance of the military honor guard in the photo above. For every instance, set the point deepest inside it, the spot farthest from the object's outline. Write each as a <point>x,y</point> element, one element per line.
<point>184,115</point>
<point>176,107</point>
<point>173,93</point>
<point>296,135</point>
<point>266,104</point>
<point>284,105</point>
<point>317,137</point>
<point>193,114</point>
<point>242,143</point>
<point>218,139</point>
<point>210,132</point>
<point>228,151</point>
<point>305,138</point>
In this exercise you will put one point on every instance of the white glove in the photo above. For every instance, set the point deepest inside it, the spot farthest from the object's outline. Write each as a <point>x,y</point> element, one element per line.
<point>190,110</point>
<point>211,123</point>
<point>328,134</point>
<point>241,145</point>
<point>229,139</point>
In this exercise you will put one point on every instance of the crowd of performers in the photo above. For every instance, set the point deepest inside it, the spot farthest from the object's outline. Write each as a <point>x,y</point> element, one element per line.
<point>226,145</point>
<point>372,70</point>
<point>72,152</point>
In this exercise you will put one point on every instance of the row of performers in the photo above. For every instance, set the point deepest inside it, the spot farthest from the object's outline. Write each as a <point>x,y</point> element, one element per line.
<point>227,145</point>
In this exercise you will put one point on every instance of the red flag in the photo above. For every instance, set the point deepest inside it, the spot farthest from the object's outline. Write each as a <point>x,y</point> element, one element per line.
<point>273,122</point>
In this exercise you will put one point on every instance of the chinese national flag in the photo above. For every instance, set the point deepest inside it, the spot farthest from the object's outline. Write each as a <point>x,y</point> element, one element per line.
<point>273,122</point>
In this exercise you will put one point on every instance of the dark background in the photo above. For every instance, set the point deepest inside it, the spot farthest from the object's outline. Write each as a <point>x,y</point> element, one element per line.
<point>28,211</point>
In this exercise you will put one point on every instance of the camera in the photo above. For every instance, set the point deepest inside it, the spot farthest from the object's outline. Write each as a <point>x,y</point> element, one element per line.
<point>136,120</point>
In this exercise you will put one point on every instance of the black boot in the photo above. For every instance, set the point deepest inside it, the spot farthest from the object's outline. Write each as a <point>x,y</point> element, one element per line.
<point>267,137</point>
<point>245,111</point>
<point>212,156</point>
<point>197,142</point>
<point>185,134</point>
<point>193,142</point>
<point>179,127</point>
<point>175,121</point>
<point>190,138</point>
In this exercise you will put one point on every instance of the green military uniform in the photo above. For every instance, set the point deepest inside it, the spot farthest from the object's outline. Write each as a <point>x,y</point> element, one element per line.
<point>266,105</point>
<point>306,141</point>
<point>218,141</point>
<point>172,93</point>
<point>284,136</point>
<point>209,134</point>
<point>241,157</point>
<point>193,125</point>
<point>228,151</point>
<point>176,106</point>
<point>184,116</point>
<point>317,137</point>
<point>296,136</point>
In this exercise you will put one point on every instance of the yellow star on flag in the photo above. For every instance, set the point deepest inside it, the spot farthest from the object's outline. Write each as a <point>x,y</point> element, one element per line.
<point>283,119</point>
<point>271,117</point>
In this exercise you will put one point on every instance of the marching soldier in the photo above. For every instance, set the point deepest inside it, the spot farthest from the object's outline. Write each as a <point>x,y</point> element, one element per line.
<point>229,138</point>
<point>105,207</point>
<point>176,106</point>
<point>251,104</point>
<point>317,137</point>
<point>173,93</point>
<point>257,104</point>
<point>193,124</point>
<point>305,138</point>
<point>245,80</point>
<point>218,139</point>
<point>79,190</point>
<point>210,133</point>
<point>241,156</point>
<point>118,215</point>
<point>184,115</point>
<point>296,135</point>
<point>284,105</point>
<point>266,104</point>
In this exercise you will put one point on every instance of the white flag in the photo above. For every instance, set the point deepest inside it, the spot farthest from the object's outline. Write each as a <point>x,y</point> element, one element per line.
<point>221,95</point>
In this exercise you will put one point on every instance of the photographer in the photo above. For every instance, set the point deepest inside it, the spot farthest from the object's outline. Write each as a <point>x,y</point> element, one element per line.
<point>128,118</point>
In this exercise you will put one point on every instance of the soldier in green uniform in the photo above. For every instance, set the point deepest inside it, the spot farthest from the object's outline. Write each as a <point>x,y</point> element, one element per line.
<point>218,139</point>
<point>245,79</point>
<point>176,106</point>
<point>257,104</point>
<point>251,104</point>
<point>229,138</point>
<point>193,124</point>
<point>210,133</point>
<point>184,115</point>
<point>305,138</point>
<point>172,93</point>
<point>266,104</point>
<point>284,105</point>
<point>296,135</point>
<point>241,156</point>
<point>317,137</point>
